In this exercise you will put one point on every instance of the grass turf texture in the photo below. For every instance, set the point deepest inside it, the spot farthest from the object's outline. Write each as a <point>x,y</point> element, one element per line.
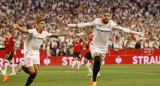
<point>111,75</point>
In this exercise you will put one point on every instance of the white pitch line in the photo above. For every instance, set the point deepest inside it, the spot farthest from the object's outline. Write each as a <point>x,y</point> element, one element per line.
<point>117,72</point>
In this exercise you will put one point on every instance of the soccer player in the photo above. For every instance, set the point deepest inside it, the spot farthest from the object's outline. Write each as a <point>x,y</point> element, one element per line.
<point>5,75</point>
<point>11,49</point>
<point>88,55</point>
<point>76,52</point>
<point>102,29</point>
<point>31,48</point>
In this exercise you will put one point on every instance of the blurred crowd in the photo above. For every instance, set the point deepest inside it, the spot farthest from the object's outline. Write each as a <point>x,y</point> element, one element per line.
<point>137,15</point>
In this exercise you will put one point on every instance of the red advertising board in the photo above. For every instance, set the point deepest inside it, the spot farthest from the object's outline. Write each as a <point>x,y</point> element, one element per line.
<point>122,56</point>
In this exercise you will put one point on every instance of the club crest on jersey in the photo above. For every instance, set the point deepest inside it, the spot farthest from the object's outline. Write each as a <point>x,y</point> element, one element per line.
<point>109,27</point>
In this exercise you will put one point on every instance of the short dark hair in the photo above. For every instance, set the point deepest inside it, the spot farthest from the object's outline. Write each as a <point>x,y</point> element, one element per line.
<point>90,27</point>
<point>8,31</point>
<point>40,21</point>
<point>106,11</point>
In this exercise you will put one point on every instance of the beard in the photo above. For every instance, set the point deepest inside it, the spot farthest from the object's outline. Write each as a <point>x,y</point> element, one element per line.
<point>105,21</point>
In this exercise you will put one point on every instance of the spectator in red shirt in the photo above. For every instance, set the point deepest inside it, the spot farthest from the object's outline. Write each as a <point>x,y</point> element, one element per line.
<point>11,49</point>
<point>76,51</point>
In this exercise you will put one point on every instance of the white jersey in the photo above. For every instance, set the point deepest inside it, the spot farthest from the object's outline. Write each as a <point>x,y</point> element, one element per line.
<point>101,35</point>
<point>102,31</point>
<point>34,40</point>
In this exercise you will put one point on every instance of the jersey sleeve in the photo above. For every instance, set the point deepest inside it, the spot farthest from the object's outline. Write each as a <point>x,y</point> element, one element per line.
<point>31,30</point>
<point>48,34</point>
<point>126,30</point>
<point>114,24</point>
<point>83,24</point>
<point>122,29</point>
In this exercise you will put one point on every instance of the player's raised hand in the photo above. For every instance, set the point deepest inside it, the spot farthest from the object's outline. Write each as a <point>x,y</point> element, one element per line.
<point>63,24</point>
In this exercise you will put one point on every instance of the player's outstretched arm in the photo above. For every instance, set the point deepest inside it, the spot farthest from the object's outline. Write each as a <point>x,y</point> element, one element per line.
<point>62,34</point>
<point>126,30</point>
<point>81,25</point>
<point>20,28</point>
<point>77,25</point>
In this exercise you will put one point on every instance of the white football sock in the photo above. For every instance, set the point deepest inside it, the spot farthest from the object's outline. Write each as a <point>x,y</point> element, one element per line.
<point>13,70</point>
<point>73,63</point>
<point>88,67</point>
<point>1,70</point>
<point>5,68</point>
<point>79,63</point>
<point>98,74</point>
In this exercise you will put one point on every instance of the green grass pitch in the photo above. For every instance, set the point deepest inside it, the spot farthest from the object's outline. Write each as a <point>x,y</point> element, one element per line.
<point>111,75</point>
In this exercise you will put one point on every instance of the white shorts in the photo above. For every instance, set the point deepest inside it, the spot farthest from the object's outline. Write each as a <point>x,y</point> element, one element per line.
<point>31,59</point>
<point>94,49</point>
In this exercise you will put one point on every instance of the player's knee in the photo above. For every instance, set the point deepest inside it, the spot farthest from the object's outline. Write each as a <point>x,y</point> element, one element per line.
<point>92,61</point>
<point>32,72</point>
<point>5,60</point>
<point>10,61</point>
<point>36,71</point>
<point>85,61</point>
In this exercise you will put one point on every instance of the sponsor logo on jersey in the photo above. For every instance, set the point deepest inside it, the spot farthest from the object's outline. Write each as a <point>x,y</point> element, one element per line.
<point>99,30</point>
<point>35,38</point>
